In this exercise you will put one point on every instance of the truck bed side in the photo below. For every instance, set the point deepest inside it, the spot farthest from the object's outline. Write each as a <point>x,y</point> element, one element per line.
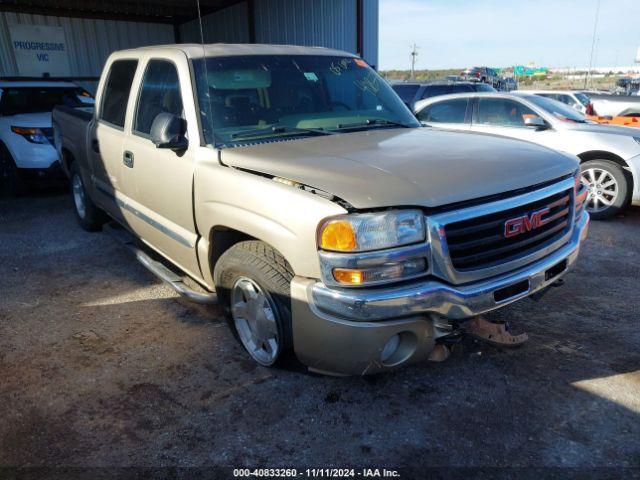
<point>70,126</point>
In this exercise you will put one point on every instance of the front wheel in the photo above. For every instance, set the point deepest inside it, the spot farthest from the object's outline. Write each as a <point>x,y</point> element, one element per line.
<point>253,280</point>
<point>10,182</point>
<point>608,188</point>
<point>89,215</point>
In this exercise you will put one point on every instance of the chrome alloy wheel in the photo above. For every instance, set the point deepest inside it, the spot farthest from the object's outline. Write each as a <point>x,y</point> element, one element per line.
<point>78,196</point>
<point>254,317</point>
<point>603,189</point>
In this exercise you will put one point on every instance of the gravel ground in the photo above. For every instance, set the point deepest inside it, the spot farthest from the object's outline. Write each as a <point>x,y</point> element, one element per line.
<point>101,365</point>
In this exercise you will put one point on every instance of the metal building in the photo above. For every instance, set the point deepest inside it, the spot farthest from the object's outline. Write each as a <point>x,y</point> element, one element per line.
<point>88,31</point>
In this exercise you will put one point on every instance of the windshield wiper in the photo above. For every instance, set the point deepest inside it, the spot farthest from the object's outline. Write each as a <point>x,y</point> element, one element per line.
<point>277,130</point>
<point>374,121</point>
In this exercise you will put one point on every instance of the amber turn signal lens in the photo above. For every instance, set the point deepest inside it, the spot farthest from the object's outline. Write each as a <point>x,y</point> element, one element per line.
<point>338,235</point>
<point>24,130</point>
<point>347,276</point>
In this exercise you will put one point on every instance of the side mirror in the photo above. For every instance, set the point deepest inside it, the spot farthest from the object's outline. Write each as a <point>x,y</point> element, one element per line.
<point>536,122</point>
<point>167,131</point>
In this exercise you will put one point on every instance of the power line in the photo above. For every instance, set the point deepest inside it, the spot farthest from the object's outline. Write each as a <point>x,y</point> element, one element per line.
<point>414,54</point>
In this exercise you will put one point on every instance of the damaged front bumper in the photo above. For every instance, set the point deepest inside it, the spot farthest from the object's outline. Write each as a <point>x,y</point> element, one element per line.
<point>350,331</point>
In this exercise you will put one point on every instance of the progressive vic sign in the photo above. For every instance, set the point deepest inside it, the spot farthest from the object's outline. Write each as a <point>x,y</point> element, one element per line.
<point>39,50</point>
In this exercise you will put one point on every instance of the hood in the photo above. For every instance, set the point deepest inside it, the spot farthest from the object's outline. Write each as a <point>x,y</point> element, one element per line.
<point>406,167</point>
<point>608,129</point>
<point>40,119</point>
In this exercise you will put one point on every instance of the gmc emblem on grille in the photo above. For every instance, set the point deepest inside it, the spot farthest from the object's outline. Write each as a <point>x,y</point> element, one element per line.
<point>526,223</point>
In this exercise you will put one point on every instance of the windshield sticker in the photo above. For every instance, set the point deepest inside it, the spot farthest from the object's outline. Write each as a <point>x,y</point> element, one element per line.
<point>361,63</point>
<point>371,83</point>
<point>341,66</point>
<point>311,76</point>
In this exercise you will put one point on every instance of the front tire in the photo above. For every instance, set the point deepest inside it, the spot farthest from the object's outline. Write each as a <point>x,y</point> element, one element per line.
<point>10,181</point>
<point>253,281</point>
<point>89,215</point>
<point>608,188</point>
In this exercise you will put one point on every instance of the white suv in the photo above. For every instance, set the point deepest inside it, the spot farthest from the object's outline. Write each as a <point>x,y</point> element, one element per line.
<point>26,136</point>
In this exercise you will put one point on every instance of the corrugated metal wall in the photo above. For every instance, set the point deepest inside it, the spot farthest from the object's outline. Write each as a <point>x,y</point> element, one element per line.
<point>226,26</point>
<point>327,23</point>
<point>89,41</point>
<point>371,21</point>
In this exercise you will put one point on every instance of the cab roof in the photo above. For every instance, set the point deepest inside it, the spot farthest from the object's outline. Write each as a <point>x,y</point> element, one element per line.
<point>196,50</point>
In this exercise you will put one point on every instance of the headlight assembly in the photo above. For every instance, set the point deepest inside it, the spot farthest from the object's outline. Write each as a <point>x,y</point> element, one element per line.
<point>374,248</point>
<point>31,135</point>
<point>363,232</point>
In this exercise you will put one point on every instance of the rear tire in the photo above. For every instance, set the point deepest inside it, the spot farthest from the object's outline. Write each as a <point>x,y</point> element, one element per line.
<point>10,181</point>
<point>89,215</point>
<point>254,281</point>
<point>609,188</point>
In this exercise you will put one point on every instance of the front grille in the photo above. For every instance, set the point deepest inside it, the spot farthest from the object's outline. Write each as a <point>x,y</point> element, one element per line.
<point>481,242</point>
<point>48,132</point>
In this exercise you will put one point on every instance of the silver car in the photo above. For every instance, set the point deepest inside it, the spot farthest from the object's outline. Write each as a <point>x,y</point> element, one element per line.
<point>609,156</point>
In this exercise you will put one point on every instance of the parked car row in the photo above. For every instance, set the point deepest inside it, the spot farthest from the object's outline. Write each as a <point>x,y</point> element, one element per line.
<point>609,156</point>
<point>299,191</point>
<point>410,93</point>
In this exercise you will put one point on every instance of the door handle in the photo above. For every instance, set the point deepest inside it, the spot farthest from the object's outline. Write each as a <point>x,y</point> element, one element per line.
<point>95,146</point>
<point>127,159</point>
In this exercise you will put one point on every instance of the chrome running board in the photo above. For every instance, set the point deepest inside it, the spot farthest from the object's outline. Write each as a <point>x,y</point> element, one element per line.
<point>161,271</point>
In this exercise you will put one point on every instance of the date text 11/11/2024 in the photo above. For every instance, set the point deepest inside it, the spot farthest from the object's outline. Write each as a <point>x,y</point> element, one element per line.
<point>317,473</point>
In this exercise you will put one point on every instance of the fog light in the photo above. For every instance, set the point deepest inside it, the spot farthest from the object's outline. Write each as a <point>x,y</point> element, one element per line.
<point>390,348</point>
<point>383,273</point>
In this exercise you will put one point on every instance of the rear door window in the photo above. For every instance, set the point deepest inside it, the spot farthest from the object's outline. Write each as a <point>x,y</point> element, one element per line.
<point>117,91</point>
<point>159,93</point>
<point>502,112</point>
<point>451,111</point>
<point>435,90</point>
<point>461,88</point>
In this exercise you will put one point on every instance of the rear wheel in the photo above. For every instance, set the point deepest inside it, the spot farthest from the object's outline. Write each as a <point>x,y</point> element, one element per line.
<point>254,280</point>
<point>89,215</point>
<point>10,181</point>
<point>608,188</point>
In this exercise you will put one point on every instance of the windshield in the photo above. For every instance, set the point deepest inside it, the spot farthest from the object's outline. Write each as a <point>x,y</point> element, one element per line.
<point>261,97</point>
<point>14,101</point>
<point>559,110</point>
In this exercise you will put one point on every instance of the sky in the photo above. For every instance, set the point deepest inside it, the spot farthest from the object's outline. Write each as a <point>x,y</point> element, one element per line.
<point>501,33</point>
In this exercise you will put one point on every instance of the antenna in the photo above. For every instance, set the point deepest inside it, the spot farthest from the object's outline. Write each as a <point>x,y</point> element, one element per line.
<point>206,73</point>
<point>414,54</point>
<point>593,44</point>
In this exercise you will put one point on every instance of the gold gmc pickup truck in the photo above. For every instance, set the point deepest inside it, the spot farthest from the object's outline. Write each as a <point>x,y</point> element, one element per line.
<point>295,187</point>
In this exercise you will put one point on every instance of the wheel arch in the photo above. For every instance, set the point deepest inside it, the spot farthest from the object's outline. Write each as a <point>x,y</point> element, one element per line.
<point>5,147</point>
<point>604,155</point>
<point>221,239</point>
<point>66,159</point>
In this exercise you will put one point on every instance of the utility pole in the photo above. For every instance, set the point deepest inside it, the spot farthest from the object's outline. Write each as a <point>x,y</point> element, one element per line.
<point>414,54</point>
<point>593,44</point>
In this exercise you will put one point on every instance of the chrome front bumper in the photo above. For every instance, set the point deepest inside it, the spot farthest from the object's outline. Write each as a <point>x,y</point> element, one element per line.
<point>450,301</point>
